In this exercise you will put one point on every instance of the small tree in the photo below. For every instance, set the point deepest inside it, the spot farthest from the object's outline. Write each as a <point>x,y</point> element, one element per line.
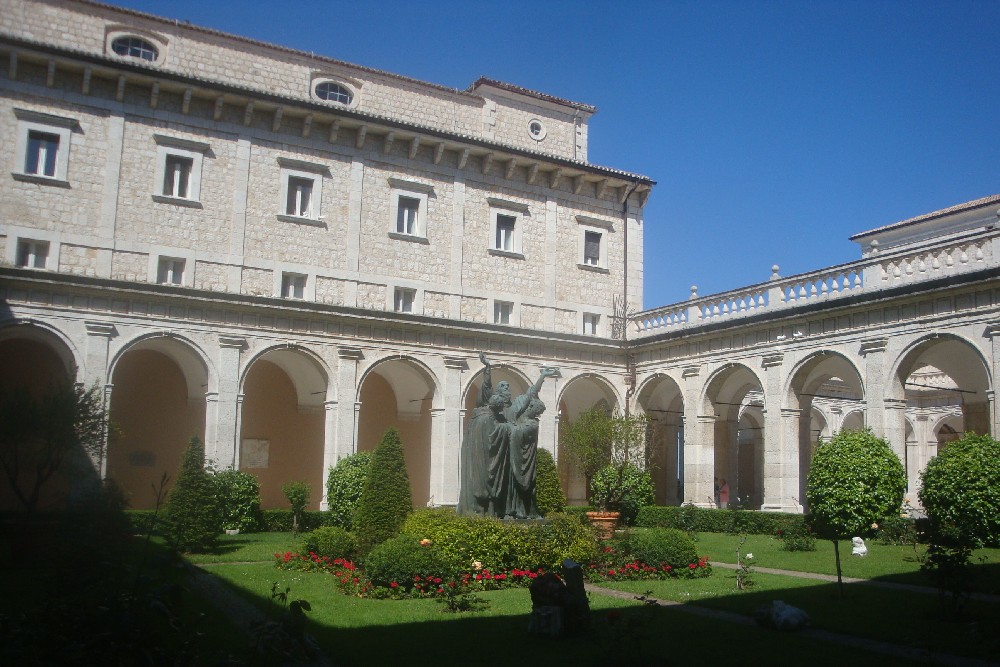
<point>549,496</point>
<point>298,497</point>
<point>960,490</point>
<point>610,445</point>
<point>193,517</point>
<point>239,499</point>
<point>854,481</point>
<point>39,437</point>
<point>344,485</point>
<point>385,501</point>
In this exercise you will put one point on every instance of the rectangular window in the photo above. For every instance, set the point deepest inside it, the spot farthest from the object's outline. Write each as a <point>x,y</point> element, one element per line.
<point>505,232</point>
<point>170,271</point>
<point>40,158</point>
<point>502,311</point>
<point>293,285</point>
<point>32,254</point>
<point>177,176</point>
<point>590,322</point>
<point>404,299</point>
<point>592,248</point>
<point>299,200</point>
<point>407,210</point>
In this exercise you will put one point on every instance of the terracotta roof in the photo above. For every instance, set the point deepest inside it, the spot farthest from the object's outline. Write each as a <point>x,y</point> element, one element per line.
<point>485,81</point>
<point>958,208</point>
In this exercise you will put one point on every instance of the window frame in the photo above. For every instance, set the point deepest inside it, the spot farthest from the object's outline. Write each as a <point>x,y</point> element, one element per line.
<point>173,147</point>
<point>420,192</point>
<point>117,32</point>
<point>33,245</point>
<point>307,171</point>
<point>17,235</point>
<point>602,228</point>
<point>294,280</point>
<point>165,270</point>
<point>399,292</point>
<point>159,254</point>
<point>591,324</point>
<point>498,307</point>
<point>62,128</point>
<point>353,89</point>
<point>147,46</point>
<point>503,208</point>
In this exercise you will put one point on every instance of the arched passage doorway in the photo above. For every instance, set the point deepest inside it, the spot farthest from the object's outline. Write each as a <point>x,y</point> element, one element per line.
<point>660,398</point>
<point>735,398</point>
<point>36,361</point>
<point>825,384</point>
<point>157,406</point>
<point>580,394</point>
<point>400,392</point>
<point>282,425</point>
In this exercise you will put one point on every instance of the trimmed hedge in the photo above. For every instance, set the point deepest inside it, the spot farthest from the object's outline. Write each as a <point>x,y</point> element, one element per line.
<point>697,519</point>
<point>661,546</point>
<point>331,542</point>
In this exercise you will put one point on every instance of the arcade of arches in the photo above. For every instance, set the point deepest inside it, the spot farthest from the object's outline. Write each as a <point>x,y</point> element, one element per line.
<point>290,411</point>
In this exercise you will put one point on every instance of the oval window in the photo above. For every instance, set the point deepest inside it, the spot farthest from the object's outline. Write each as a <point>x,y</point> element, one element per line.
<point>334,92</point>
<point>536,129</point>
<point>135,47</point>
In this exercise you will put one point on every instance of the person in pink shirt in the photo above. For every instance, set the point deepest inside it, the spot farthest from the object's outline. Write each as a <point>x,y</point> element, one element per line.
<point>724,494</point>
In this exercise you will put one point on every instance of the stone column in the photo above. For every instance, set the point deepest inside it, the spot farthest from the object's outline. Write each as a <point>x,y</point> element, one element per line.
<point>894,427</point>
<point>775,496</point>
<point>699,443</point>
<point>918,452</point>
<point>348,407</point>
<point>873,353</point>
<point>329,446</point>
<point>993,332</point>
<point>95,374</point>
<point>223,408</point>
<point>446,429</point>
<point>790,436</point>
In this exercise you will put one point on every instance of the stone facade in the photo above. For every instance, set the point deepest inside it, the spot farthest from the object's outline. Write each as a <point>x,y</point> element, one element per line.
<point>230,256</point>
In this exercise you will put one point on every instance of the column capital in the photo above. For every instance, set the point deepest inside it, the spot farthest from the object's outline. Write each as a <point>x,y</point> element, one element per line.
<point>791,412</point>
<point>772,360</point>
<point>872,346</point>
<point>894,403</point>
<point>992,330</point>
<point>691,371</point>
<point>330,405</point>
<point>354,353</point>
<point>233,342</point>
<point>461,363</point>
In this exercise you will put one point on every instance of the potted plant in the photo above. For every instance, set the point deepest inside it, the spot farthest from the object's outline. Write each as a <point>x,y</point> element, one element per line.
<point>610,450</point>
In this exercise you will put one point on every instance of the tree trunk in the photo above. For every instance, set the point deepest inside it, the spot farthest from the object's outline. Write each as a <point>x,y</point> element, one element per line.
<point>840,579</point>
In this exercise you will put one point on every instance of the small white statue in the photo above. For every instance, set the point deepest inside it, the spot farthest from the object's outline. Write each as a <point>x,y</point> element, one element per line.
<point>859,548</point>
<point>782,616</point>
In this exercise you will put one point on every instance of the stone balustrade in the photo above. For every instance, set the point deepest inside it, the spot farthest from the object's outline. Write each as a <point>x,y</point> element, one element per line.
<point>880,270</point>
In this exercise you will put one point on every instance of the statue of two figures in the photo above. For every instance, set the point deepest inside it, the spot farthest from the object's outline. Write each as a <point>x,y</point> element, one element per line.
<point>498,450</point>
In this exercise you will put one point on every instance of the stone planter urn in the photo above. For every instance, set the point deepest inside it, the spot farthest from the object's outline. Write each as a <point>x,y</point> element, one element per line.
<point>232,531</point>
<point>604,523</point>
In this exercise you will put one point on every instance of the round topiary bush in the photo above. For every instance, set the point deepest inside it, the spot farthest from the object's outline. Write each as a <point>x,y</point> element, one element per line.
<point>549,496</point>
<point>330,541</point>
<point>662,546</point>
<point>400,560</point>
<point>960,490</point>
<point>854,480</point>
<point>344,485</point>
<point>239,498</point>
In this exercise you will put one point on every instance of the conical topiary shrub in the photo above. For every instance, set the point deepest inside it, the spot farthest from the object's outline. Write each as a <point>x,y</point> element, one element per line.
<point>193,517</point>
<point>549,495</point>
<point>385,501</point>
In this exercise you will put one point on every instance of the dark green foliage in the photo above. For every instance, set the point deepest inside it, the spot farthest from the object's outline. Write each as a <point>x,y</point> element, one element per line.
<point>502,545</point>
<point>798,537</point>
<point>696,519</point>
<point>385,501</point>
<point>192,518</point>
<point>596,440</point>
<point>854,480</point>
<point>280,521</point>
<point>330,541</point>
<point>239,498</point>
<point>960,489</point>
<point>344,485</point>
<point>549,495</point>
<point>625,489</point>
<point>402,558</point>
<point>897,531</point>
<point>661,546</point>
<point>55,434</point>
<point>298,497</point>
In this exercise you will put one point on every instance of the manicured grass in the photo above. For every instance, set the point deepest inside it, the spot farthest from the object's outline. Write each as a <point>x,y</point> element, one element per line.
<point>248,547</point>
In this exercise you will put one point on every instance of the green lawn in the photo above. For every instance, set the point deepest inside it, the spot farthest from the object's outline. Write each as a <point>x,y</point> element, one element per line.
<point>367,632</point>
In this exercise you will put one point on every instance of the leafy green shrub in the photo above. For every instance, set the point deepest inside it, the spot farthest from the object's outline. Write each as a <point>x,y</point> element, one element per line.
<point>693,519</point>
<point>192,520</point>
<point>798,538</point>
<point>662,546</point>
<point>400,560</point>
<point>280,521</point>
<point>239,499</point>
<point>385,501</point>
<point>298,497</point>
<point>897,530</point>
<point>622,488</point>
<point>344,485</point>
<point>143,521</point>
<point>549,495</point>
<point>960,489</point>
<point>330,541</point>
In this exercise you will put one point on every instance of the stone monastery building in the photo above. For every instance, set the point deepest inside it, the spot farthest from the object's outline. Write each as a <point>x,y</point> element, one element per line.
<point>286,254</point>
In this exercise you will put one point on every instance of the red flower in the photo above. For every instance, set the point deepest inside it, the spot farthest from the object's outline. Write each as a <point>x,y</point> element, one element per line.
<point>394,585</point>
<point>532,575</point>
<point>692,566</point>
<point>437,580</point>
<point>479,577</point>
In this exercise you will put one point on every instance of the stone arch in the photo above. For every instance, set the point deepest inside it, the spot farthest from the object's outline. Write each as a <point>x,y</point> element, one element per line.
<point>157,405</point>
<point>24,344</point>
<point>853,421</point>
<point>581,393</point>
<point>282,423</point>
<point>827,380</point>
<point>36,359</point>
<point>402,392</point>
<point>730,392</point>
<point>660,397</point>
<point>935,374</point>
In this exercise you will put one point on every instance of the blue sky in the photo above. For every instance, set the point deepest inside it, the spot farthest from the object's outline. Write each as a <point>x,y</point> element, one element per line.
<point>775,129</point>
